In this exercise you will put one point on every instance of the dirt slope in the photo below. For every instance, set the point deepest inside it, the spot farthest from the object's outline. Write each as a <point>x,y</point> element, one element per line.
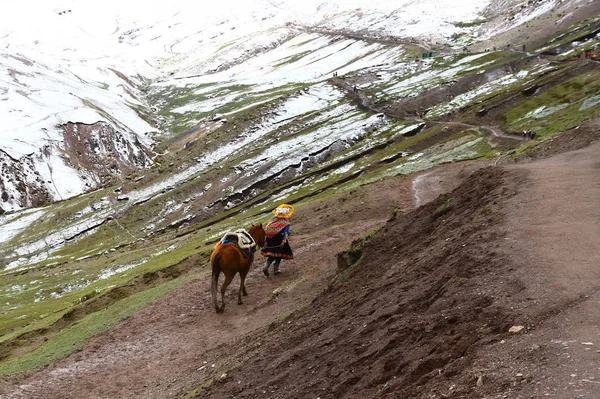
<point>425,313</point>
<point>409,318</point>
<point>428,311</point>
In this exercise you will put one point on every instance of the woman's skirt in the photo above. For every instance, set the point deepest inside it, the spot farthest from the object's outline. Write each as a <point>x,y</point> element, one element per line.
<point>274,250</point>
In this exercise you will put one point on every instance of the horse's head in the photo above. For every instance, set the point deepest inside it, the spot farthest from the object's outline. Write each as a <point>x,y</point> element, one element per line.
<point>258,234</point>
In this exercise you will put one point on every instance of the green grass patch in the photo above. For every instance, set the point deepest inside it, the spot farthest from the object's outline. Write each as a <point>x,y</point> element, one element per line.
<point>243,102</point>
<point>351,258</point>
<point>59,214</point>
<point>584,28</point>
<point>303,43</point>
<point>44,294</point>
<point>443,209</point>
<point>489,61</point>
<point>448,71</point>
<point>470,24</point>
<point>78,335</point>
<point>292,58</point>
<point>558,108</point>
<point>224,46</point>
<point>106,115</point>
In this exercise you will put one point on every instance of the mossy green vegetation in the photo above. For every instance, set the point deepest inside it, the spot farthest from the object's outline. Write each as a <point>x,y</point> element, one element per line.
<point>105,114</point>
<point>558,108</point>
<point>225,45</point>
<point>291,59</point>
<point>470,24</point>
<point>443,70</point>
<point>41,298</point>
<point>351,258</point>
<point>82,269</point>
<point>75,336</point>
<point>584,28</point>
<point>443,209</point>
<point>175,103</point>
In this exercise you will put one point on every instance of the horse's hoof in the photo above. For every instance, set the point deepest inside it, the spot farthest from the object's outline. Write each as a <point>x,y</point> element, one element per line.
<point>277,272</point>
<point>220,310</point>
<point>266,272</point>
<point>240,303</point>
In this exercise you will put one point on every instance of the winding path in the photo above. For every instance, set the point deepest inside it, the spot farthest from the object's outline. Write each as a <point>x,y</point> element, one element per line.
<point>365,102</point>
<point>365,37</point>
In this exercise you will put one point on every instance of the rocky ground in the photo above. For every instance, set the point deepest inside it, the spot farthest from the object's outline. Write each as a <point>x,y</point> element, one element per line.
<point>490,290</point>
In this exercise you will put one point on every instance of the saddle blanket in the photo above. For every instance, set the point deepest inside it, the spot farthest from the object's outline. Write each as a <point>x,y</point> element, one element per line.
<point>239,237</point>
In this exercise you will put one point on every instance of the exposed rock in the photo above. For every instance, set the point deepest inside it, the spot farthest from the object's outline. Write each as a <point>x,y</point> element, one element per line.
<point>92,155</point>
<point>22,184</point>
<point>103,151</point>
<point>516,329</point>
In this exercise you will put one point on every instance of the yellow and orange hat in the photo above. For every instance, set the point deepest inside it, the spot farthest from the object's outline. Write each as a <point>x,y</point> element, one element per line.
<point>284,211</point>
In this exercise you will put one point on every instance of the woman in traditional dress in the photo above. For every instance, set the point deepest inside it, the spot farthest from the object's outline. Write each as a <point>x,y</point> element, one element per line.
<point>277,246</point>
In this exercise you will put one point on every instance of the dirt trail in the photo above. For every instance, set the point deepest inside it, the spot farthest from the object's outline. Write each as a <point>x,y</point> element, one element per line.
<point>365,103</point>
<point>370,37</point>
<point>552,242</point>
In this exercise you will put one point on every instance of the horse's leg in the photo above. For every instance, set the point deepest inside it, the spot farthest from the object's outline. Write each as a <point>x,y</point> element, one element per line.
<point>242,290</point>
<point>243,275</point>
<point>216,270</point>
<point>228,277</point>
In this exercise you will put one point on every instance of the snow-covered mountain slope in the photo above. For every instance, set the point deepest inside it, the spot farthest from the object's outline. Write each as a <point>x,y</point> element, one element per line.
<point>67,62</point>
<point>40,103</point>
<point>40,97</point>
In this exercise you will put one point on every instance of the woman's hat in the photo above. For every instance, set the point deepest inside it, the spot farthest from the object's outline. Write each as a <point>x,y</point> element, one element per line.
<point>284,211</point>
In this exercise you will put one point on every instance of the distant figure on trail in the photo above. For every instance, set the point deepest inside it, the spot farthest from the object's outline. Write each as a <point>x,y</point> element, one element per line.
<point>528,134</point>
<point>355,89</point>
<point>277,246</point>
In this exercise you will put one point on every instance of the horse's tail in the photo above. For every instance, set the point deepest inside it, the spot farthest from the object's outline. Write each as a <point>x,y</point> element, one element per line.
<point>216,270</point>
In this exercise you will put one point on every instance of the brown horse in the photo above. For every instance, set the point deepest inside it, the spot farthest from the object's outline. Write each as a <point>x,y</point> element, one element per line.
<point>230,259</point>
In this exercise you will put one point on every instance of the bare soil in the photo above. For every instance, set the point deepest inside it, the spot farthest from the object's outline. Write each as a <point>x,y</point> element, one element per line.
<point>425,313</point>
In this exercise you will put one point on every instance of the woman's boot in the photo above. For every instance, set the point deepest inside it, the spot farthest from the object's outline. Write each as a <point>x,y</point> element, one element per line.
<point>266,268</point>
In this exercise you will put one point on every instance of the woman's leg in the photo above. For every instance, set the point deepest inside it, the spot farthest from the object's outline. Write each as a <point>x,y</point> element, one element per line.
<point>267,265</point>
<point>276,266</point>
